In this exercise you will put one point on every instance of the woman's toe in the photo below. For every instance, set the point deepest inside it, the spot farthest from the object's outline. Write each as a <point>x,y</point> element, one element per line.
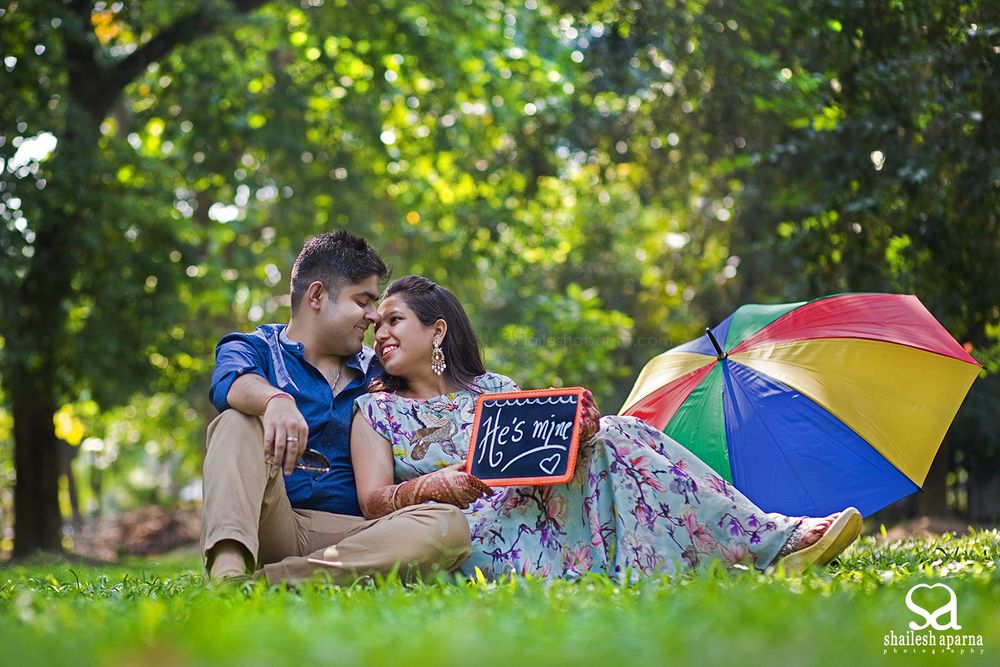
<point>817,530</point>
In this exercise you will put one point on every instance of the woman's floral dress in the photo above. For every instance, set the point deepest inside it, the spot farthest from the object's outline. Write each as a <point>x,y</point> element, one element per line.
<point>639,502</point>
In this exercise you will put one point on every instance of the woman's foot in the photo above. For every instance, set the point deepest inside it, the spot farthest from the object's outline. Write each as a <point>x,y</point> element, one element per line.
<point>811,529</point>
<point>817,541</point>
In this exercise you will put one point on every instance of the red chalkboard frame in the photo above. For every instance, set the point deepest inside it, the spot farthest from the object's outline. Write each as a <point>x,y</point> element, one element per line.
<point>574,444</point>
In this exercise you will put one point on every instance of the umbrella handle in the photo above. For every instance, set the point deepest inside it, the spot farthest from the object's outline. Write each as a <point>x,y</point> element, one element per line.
<point>715,343</point>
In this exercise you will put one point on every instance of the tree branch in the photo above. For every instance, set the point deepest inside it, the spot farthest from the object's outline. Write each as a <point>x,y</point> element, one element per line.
<point>81,8</point>
<point>182,31</point>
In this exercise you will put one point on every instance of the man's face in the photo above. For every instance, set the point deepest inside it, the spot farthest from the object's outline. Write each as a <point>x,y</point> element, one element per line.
<point>344,318</point>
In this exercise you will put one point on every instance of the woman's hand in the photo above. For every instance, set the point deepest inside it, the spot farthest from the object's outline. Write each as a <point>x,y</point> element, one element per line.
<point>451,485</point>
<point>590,421</point>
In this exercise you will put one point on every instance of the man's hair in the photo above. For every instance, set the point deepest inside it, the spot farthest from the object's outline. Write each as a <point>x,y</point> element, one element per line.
<point>335,259</point>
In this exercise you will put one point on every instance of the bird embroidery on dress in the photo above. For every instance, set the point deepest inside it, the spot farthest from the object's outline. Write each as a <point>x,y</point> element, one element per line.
<point>436,429</point>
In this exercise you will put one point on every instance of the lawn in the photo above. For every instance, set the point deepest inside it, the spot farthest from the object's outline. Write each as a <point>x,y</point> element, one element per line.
<point>161,613</point>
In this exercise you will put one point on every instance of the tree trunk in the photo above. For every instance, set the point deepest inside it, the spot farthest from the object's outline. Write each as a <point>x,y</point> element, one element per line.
<point>67,453</point>
<point>61,218</point>
<point>37,332</point>
<point>37,520</point>
<point>984,495</point>
<point>934,499</point>
<point>95,490</point>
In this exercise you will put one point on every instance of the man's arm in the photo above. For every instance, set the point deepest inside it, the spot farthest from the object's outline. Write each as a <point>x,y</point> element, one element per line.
<point>286,432</point>
<point>249,393</point>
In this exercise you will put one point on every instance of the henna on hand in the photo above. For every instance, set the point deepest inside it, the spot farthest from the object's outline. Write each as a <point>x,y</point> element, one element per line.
<point>590,420</point>
<point>451,485</point>
<point>448,485</point>
<point>379,502</point>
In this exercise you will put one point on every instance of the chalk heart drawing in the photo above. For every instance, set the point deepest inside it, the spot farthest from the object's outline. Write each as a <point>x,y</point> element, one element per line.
<point>949,608</point>
<point>550,464</point>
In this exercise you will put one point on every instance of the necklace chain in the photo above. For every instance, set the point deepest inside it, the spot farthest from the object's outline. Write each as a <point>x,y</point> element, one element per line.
<point>336,380</point>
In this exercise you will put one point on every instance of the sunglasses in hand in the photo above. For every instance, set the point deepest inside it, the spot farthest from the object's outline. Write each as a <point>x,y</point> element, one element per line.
<point>313,461</point>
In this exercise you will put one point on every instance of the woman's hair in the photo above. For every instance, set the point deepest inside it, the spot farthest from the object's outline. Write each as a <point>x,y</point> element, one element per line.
<point>431,303</point>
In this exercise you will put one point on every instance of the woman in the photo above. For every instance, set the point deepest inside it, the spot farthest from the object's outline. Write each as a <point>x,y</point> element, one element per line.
<point>639,501</point>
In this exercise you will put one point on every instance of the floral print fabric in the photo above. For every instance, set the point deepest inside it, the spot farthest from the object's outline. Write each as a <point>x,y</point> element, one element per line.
<point>638,503</point>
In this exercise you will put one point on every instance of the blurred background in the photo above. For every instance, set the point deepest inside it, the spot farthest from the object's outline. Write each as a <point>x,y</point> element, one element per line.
<point>596,181</point>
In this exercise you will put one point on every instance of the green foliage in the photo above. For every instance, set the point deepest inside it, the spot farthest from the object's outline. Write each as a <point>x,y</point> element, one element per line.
<point>570,332</point>
<point>597,181</point>
<point>143,453</point>
<point>883,173</point>
<point>148,612</point>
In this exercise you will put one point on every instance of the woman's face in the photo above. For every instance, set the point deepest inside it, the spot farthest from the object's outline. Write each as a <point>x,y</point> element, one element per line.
<point>402,342</point>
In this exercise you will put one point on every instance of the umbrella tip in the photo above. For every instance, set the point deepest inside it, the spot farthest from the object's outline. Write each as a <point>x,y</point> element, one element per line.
<point>718,348</point>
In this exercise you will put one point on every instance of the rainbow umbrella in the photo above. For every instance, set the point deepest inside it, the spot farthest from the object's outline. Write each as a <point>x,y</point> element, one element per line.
<point>811,407</point>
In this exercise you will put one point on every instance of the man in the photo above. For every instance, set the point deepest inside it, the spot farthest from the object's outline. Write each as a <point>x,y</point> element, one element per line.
<point>279,485</point>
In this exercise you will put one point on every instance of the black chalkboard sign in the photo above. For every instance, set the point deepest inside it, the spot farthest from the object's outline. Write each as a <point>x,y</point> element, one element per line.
<point>526,437</point>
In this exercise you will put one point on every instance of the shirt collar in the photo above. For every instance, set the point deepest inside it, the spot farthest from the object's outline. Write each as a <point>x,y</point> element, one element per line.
<point>361,361</point>
<point>285,340</point>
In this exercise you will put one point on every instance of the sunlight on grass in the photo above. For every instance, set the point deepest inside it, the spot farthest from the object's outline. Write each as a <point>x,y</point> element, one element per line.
<point>163,613</point>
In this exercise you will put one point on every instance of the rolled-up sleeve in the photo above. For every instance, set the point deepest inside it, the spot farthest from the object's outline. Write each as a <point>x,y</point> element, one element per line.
<point>234,356</point>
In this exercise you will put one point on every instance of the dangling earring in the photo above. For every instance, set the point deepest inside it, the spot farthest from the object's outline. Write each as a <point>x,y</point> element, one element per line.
<point>437,359</point>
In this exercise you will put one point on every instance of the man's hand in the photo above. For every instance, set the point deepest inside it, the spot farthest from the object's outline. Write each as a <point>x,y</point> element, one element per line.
<point>451,485</point>
<point>285,432</point>
<point>590,421</point>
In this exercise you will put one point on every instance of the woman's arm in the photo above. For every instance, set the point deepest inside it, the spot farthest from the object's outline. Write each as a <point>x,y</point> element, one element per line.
<point>371,455</point>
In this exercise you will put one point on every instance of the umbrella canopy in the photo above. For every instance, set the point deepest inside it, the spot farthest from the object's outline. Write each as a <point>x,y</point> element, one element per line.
<point>811,407</point>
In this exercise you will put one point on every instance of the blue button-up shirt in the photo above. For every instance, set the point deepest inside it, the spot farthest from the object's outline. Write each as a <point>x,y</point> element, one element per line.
<point>269,353</point>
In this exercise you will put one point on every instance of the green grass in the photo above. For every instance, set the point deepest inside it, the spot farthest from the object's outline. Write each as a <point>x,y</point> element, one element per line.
<point>156,613</point>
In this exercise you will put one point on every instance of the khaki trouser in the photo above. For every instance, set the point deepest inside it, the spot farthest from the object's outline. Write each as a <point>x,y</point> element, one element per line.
<point>245,501</point>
